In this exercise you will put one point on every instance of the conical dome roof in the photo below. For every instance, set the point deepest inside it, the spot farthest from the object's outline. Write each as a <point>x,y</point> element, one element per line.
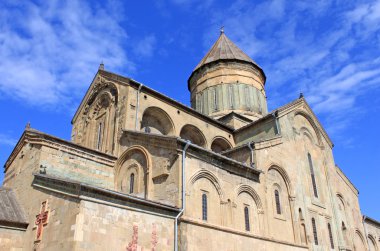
<point>225,49</point>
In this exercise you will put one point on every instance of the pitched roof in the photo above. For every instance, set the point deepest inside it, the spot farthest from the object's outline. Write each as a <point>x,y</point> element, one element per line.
<point>11,213</point>
<point>225,49</point>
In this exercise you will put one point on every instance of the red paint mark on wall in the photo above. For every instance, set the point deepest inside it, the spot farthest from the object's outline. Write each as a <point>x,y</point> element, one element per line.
<point>132,246</point>
<point>154,238</point>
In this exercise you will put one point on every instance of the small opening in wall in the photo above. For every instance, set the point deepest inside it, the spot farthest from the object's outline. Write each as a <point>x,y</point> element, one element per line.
<point>145,97</point>
<point>178,112</point>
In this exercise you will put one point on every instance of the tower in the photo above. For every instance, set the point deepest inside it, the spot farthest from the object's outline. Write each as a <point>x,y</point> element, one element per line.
<point>227,80</point>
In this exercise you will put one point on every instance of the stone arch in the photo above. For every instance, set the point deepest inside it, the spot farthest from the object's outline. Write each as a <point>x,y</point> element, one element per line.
<point>285,176</point>
<point>372,243</point>
<point>220,144</point>
<point>280,204</point>
<point>205,183</point>
<point>312,123</point>
<point>156,120</point>
<point>103,86</point>
<point>209,176</point>
<point>305,131</point>
<point>135,159</point>
<point>359,241</point>
<point>245,196</point>
<point>192,133</point>
<point>249,190</point>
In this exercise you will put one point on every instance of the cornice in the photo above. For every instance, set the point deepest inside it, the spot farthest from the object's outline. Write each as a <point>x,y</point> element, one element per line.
<point>83,191</point>
<point>39,138</point>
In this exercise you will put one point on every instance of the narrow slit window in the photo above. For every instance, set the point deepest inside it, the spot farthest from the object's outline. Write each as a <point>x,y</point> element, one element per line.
<point>230,97</point>
<point>200,103</point>
<point>315,234</point>
<point>246,94</point>
<point>215,95</point>
<point>277,199</point>
<point>330,236</point>
<point>314,183</point>
<point>246,218</point>
<point>99,139</point>
<point>259,102</point>
<point>204,207</point>
<point>131,182</point>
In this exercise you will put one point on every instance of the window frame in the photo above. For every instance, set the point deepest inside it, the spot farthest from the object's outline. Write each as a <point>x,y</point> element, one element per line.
<point>277,201</point>
<point>204,207</point>
<point>131,182</point>
<point>246,219</point>
<point>312,175</point>
<point>315,233</point>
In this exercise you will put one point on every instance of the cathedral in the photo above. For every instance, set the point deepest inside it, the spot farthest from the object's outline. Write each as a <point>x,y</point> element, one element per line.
<point>145,172</point>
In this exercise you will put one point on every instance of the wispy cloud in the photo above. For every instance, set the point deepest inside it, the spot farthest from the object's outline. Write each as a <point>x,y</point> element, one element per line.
<point>146,46</point>
<point>50,50</point>
<point>7,140</point>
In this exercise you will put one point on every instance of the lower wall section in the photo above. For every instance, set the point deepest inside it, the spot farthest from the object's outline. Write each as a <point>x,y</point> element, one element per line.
<point>198,236</point>
<point>11,239</point>
<point>103,227</point>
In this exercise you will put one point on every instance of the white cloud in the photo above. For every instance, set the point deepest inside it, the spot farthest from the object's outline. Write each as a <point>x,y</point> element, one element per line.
<point>146,46</point>
<point>7,140</point>
<point>52,50</point>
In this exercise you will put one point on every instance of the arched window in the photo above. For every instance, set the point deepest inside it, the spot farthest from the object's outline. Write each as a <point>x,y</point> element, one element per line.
<point>277,199</point>
<point>312,175</point>
<point>131,182</point>
<point>246,218</point>
<point>204,207</point>
<point>315,234</point>
<point>99,138</point>
<point>330,236</point>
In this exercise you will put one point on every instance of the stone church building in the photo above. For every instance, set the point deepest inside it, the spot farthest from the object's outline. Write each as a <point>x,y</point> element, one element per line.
<point>145,172</point>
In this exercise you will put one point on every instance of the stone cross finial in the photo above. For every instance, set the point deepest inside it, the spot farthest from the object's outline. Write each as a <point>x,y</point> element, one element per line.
<point>27,125</point>
<point>101,66</point>
<point>301,95</point>
<point>222,29</point>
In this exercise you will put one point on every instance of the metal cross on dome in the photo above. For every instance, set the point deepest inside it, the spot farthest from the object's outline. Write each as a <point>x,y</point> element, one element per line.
<point>41,220</point>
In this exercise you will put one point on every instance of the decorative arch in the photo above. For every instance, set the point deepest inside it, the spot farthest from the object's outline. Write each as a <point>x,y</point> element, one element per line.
<point>340,197</point>
<point>305,131</point>
<point>249,190</point>
<point>136,160</point>
<point>192,133</point>
<point>98,124</point>
<point>209,176</point>
<point>359,241</point>
<point>102,86</point>
<point>285,176</point>
<point>220,144</point>
<point>156,120</point>
<point>312,123</point>
<point>372,241</point>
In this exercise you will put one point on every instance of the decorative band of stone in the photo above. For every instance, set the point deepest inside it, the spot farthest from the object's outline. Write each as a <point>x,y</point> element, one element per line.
<point>83,191</point>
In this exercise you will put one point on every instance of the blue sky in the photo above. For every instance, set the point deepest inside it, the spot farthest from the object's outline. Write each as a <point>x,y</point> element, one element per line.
<point>329,50</point>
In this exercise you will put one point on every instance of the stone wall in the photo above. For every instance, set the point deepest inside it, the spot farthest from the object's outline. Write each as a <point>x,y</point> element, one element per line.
<point>102,227</point>
<point>373,234</point>
<point>11,239</point>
